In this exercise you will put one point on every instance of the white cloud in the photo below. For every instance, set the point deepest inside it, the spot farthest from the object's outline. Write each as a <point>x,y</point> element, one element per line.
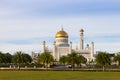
<point>32,28</point>
<point>12,48</point>
<point>4,12</point>
<point>108,47</point>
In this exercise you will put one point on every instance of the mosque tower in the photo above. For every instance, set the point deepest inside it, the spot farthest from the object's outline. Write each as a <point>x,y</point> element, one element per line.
<point>92,49</point>
<point>81,39</point>
<point>61,46</point>
<point>43,46</point>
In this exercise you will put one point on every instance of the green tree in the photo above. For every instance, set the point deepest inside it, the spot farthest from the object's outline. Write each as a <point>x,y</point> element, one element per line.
<point>7,58</point>
<point>63,59</point>
<point>72,59</point>
<point>103,59</point>
<point>46,58</point>
<point>81,59</point>
<point>27,58</point>
<point>117,59</point>
<point>1,57</point>
<point>20,58</point>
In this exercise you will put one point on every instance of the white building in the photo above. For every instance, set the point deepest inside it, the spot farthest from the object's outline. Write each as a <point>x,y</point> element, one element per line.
<point>88,51</point>
<point>61,46</point>
<point>34,57</point>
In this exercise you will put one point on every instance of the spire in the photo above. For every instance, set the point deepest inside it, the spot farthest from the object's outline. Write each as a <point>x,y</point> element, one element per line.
<point>44,46</point>
<point>81,39</point>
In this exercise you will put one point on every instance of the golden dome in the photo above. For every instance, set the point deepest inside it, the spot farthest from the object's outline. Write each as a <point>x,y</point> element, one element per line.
<point>61,34</point>
<point>81,30</point>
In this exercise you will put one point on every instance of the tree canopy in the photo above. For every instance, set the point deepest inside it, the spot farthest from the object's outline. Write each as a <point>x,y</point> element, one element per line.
<point>45,58</point>
<point>81,59</point>
<point>21,58</point>
<point>63,59</point>
<point>117,58</point>
<point>5,57</point>
<point>103,59</point>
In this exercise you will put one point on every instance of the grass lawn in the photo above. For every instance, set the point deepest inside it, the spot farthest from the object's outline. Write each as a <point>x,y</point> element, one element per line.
<point>58,75</point>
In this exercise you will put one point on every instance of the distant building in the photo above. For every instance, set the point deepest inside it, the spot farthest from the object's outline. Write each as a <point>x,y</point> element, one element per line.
<point>61,46</point>
<point>34,57</point>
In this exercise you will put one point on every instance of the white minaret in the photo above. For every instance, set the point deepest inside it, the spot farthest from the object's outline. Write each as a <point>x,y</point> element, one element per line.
<point>70,49</point>
<point>81,39</point>
<point>43,47</point>
<point>92,49</point>
<point>54,50</point>
<point>87,47</point>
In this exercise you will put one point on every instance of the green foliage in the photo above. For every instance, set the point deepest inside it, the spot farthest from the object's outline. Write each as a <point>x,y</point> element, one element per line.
<point>8,58</point>
<point>103,59</point>
<point>5,58</point>
<point>45,58</point>
<point>1,57</point>
<point>72,59</point>
<point>27,58</point>
<point>63,59</point>
<point>81,59</point>
<point>117,58</point>
<point>21,58</point>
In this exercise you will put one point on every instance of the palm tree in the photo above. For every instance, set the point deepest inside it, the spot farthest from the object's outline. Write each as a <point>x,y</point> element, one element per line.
<point>103,59</point>
<point>20,57</point>
<point>72,59</point>
<point>63,59</point>
<point>117,59</point>
<point>81,59</point>
<point>46,58</point>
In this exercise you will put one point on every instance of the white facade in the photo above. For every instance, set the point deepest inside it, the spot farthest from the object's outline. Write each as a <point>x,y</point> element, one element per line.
<point>61,46</point>
<point>88,51</point>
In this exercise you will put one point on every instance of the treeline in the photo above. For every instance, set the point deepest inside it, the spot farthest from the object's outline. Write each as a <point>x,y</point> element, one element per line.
<point>102,59</point>
<point>5,58</point>
<point>19,58</point>
<point>45,59</point>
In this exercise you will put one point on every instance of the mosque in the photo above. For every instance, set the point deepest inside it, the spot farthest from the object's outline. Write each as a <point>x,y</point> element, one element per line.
<point>62,46</point>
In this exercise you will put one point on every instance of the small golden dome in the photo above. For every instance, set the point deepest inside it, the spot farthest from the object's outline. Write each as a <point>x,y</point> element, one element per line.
<point>61,34</point>
<point>81,30</point>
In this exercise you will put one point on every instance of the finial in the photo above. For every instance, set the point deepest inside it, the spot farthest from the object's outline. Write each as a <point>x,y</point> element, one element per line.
<point>92,42</point>
<point>81,30</point>
<point>43,41</point>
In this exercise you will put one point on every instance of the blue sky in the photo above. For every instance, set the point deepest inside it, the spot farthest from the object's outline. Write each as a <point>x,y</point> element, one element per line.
<point>24,24</point>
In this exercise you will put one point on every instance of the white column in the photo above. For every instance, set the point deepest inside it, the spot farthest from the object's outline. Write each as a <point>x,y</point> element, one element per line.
<point>58,55</point>
<point>92,49</point>
<point>81,41</point>
<point>54,50</point>
<point>43,47</point>
<point>70,49</point>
